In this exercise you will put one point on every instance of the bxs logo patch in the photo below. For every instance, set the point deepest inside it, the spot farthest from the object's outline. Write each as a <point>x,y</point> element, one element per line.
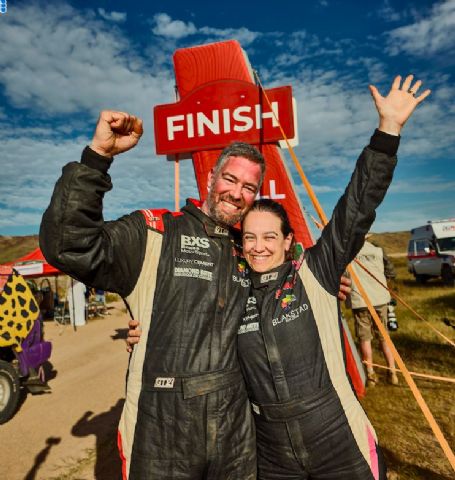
<point>191,242</point>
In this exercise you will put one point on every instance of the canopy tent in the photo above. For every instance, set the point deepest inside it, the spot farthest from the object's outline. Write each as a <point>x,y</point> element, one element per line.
<point>32,265</point>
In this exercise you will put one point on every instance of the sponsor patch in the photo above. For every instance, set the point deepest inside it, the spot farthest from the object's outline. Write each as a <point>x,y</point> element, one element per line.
<point>221,231</point>
<point>267,277</point>
<point>242,268</point>
<point>286,302</point>
<point>190,242</point>
<point>245,282</point>
<point>193,261</point>
<point>164,382</point>
<point>194,245</point>
<point>251,301</point>
<point>249,327</point>
<point>290,316</point>
<point>193,273</point>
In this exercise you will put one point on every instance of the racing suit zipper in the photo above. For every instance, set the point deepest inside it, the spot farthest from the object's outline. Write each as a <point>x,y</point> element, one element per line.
<point>278,375</point>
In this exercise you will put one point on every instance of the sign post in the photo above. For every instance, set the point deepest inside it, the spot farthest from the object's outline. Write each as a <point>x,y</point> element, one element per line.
<point>219,104</point>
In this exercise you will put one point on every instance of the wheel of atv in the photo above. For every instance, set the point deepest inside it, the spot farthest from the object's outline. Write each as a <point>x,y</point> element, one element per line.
<point>447,276</point>
<point>9,391</point>
<point>420,278</point>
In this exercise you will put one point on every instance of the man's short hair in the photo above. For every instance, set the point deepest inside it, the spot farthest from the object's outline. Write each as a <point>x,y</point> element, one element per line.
<point>240,149</point>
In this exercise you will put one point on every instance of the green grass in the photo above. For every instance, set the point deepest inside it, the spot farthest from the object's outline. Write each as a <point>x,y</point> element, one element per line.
<point>411,448</point>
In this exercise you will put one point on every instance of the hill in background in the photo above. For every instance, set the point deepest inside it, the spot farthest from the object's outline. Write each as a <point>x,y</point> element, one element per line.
<point>15,247</point>
<point>393,243</point>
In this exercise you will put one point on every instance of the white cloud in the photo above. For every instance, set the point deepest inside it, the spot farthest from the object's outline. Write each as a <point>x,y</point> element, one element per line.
<point>428,184</point>
<point>166,27</point>
<point>430,35</point>
<point>75,63</point>
<point>112,16</point>
<point>404,218</point>
<point>337,116</point>
<point>242,35</point>
<point>71,62</point>
<point>321,189</point>
<point>31,166</point>
<point>388,13</point>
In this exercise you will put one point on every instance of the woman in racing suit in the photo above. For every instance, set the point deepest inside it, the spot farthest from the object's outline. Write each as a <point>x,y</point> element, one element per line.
<point>309,423</point>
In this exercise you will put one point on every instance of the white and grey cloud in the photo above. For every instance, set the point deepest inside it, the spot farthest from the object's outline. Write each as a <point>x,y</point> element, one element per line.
<point>119,17</point>
<point>431,34</point>
<point>165,26</point>
<point>76,62</point>
<point>71,62</point>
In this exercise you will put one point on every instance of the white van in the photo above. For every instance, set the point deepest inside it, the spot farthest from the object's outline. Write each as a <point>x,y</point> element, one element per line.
<point>431,251</point>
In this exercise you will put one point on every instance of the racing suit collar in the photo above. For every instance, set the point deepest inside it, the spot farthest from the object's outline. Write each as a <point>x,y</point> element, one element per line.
<point>272,278</point>
<point>212,229</point>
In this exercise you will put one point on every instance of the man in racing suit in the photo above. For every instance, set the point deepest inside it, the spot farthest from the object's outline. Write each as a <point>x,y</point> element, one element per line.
<point>186,413</point>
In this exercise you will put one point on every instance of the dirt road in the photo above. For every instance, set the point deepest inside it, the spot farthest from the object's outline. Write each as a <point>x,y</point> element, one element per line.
<point>71,432</point>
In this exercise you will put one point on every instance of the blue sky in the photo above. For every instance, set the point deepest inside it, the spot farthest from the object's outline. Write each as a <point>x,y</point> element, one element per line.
<point>61,62</point>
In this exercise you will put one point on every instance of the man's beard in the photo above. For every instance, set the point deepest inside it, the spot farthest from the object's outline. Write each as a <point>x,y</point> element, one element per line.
<point>226,220</point>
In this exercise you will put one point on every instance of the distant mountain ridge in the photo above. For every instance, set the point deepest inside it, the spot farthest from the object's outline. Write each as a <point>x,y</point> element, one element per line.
<point>393,243</point>
<point>15,247</point>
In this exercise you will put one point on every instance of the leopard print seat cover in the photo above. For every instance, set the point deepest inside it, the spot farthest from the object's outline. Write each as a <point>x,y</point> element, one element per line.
<point>18,311</point>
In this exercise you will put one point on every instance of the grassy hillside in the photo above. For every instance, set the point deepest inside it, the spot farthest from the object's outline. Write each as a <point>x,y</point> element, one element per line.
<point>15,247</point>
<point>393,243</point>
<point>408,442</point>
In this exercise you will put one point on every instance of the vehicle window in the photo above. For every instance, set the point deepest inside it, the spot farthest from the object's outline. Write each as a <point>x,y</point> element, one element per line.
<point>411,247</point>
<point>446,244</point>
<point>420,247</point>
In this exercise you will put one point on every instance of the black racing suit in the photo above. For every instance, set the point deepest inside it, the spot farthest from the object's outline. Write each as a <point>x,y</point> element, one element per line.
<point>186,413</point>
<point>309,423</point>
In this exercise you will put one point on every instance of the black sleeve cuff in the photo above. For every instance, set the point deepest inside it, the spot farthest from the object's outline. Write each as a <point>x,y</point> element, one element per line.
<point>96,161</point>
<point>384,142</point>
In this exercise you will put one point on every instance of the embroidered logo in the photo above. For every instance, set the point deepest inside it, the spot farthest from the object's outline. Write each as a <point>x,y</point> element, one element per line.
<point>221,231</point>
<point>194,242</point>
<point>266,277</point>
<point>286,301</point>
<point>242,268</point>
<point>164,382</point>
<point>251,301</point>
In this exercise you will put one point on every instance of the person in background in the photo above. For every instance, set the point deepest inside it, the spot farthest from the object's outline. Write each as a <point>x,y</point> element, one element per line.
<point>376,261</point>
<point>100,296</point>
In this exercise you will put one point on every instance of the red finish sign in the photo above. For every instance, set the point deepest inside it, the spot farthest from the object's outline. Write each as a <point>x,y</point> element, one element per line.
<point>220,112</point>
